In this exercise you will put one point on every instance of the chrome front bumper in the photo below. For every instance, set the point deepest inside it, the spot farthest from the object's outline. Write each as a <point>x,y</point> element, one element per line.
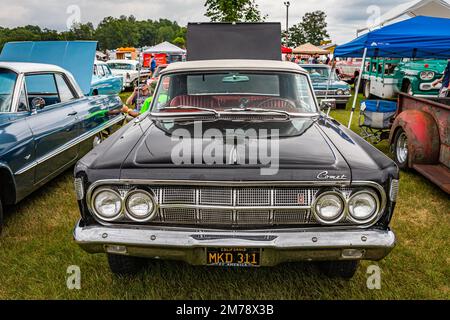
<point>277,247</point>
<point>339,99</point>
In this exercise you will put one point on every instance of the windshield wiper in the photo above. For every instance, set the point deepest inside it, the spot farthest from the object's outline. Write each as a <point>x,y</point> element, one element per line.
<point>190,112</point>
<point>237,110</point>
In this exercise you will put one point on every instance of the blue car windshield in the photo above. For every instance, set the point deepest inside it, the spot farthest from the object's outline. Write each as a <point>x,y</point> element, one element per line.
<point>320,73</point>
<point>7,84</point>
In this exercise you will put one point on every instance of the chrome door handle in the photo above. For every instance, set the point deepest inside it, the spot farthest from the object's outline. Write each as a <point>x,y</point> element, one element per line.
<point>72,114</point>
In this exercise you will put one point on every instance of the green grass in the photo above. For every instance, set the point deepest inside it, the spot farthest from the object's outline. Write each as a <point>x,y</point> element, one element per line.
<point>37,247</point>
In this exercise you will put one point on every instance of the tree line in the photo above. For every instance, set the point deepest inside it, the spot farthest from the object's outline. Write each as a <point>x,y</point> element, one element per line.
<point>111,33</point>
<point>127,31</point>
<point>311,28</point>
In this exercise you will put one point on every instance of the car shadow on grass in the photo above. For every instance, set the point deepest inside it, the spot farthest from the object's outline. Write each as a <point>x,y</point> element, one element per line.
<point>178,280</point>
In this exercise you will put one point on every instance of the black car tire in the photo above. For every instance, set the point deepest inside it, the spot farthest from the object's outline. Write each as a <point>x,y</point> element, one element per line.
<point>1,216</point>
<point>339,269</point>
<point>366,90</point>
<point>401,160</point>
<point>124,265</point>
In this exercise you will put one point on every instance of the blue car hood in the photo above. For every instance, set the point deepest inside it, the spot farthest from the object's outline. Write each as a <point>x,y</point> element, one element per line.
<point>77,57</point>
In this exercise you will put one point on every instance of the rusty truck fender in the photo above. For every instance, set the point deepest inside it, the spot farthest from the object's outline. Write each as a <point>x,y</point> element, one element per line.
<point>423,136</point>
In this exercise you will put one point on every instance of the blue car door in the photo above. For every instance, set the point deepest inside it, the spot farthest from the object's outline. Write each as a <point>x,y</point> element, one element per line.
<point>53,123</point>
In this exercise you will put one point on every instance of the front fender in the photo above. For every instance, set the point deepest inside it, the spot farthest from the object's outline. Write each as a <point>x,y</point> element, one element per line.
<point>423,136</point>
<point>7,185</point>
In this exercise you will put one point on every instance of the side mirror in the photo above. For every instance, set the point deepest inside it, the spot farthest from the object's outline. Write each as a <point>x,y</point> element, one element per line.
<point>326,104</point>
<point>37,103</point>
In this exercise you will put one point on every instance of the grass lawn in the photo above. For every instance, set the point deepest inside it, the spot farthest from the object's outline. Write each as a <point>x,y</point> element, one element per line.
<point>36,249</point>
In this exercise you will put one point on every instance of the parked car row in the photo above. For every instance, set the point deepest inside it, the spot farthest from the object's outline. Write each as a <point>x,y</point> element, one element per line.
<point>47,119</point>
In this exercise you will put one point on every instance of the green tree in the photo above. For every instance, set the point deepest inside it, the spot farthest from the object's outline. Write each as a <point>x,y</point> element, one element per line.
<point>179,41</point>
<point>233,11</point>
<point>294,37</point>
<point>312,29</point>
<point>315,27</point>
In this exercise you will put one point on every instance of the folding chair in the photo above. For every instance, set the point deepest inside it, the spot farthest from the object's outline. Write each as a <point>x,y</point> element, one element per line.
<point>375,119</point>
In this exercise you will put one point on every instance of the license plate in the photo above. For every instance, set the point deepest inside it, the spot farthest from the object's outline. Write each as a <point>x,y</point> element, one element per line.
<point>233,257</point>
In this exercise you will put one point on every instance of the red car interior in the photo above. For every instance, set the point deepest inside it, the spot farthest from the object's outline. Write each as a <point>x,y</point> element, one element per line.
<point>227,102</point>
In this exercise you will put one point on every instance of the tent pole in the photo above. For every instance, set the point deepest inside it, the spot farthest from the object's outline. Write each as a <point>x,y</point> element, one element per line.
<point>328,84</point>
<point>358,85</point>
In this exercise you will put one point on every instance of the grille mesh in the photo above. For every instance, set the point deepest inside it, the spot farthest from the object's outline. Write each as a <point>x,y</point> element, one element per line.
<point>234,207</point>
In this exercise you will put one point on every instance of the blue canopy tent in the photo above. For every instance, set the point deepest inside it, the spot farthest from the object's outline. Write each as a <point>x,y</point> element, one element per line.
<point>419,37</point>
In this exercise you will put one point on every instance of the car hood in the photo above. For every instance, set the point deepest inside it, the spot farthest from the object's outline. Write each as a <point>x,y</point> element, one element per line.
<point>178,147</point>
<point>77,57</point>
<point>322,85</point>
<point>318,149</point>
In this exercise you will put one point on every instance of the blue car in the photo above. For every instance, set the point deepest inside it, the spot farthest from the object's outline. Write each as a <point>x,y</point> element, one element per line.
<point>321,79</point>
<point>104,82</point>
<point>47,122</point>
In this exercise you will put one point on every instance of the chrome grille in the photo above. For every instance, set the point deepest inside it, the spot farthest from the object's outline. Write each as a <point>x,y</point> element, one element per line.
<point>213,216</point>
<point>234,207</point>
<point>178,196</point>
<point>178,215</point>
<point>294,197</point>
<point>216,196</point>
<point>293,217</point>
<point>253,197</point>
<point>253,217</point>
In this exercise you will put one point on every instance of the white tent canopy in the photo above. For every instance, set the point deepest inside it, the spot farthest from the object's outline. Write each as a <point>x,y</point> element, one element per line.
<point>165,47</point>
<point>431,8</point>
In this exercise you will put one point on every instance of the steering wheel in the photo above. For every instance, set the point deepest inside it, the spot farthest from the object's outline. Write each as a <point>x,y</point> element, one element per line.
<point>287,105</point>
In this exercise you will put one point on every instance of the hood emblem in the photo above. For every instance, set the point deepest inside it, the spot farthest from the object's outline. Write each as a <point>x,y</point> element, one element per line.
<point>326,176</point>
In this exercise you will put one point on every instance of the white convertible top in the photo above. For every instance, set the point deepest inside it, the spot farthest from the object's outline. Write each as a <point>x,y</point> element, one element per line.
<point>25,67</point>
<point>253,65</point>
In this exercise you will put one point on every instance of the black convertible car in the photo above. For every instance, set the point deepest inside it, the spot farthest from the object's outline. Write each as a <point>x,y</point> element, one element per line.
<point>236,165</point>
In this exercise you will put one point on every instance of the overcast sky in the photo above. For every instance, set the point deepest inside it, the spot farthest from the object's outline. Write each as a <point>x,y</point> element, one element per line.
<point>344,16</point>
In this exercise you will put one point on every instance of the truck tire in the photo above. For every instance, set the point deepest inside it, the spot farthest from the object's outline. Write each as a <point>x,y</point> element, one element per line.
<point>124,265</point>
<point>401,149</point>
<point>407,88</point>
<point>1,216</point>
<point>339,269</point>
<point>366,89</point>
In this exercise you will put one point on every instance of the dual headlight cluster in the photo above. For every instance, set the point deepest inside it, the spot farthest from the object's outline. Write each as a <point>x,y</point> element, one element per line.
<point>427,75</point>
<point>137,205</point>
<point>331,207</point>
<point>341,92</point>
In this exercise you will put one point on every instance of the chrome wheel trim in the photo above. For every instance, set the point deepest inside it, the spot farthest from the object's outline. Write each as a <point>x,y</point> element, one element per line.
<point>367,89</point>
<point>402,148</point>
<point>97,141</point>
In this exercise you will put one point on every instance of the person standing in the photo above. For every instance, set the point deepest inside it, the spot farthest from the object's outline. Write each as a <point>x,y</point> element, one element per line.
<point>445,80</point>
<point>137,100</point>
<point>153,64</point>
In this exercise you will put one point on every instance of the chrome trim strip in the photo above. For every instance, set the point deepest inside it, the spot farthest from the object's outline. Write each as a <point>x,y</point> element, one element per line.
<point>71,144</point>
<point>248,208</point>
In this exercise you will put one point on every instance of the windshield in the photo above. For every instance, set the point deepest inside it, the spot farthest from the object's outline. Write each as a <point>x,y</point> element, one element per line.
<point>121,66</point>
<point>7,84</point>
<point>319,74</point>
<point>236,90</point>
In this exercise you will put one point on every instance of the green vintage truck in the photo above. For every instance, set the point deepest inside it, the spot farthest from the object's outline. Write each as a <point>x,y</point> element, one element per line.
<point>385,78</point>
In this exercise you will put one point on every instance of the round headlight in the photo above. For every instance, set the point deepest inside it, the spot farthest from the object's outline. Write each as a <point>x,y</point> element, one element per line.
<point>329,207</point>
<point>339,92</point>
<point>363,206</point>
<point>107,204</point>
<point>427,75</point>
<point>140,206</point>
<point>347,92</point>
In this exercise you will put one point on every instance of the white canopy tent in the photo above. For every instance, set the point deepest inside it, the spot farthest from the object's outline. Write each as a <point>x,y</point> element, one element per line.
<point>430,8</point>
<point>165,47</point>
